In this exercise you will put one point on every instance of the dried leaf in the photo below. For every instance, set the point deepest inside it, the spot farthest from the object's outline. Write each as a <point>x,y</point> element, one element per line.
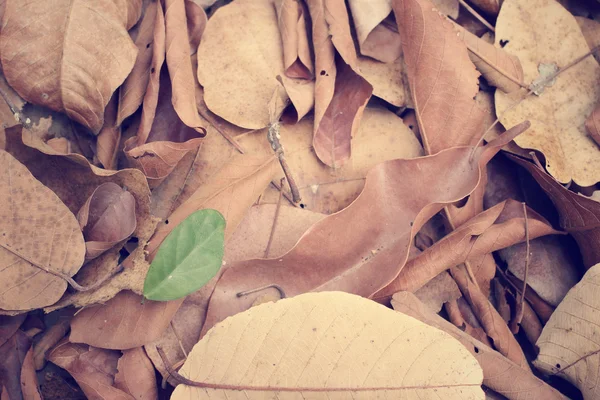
<point>29,380</point>
<point>123,322</point>
<point>238,60</point>
<point>41,243</point>
<point>188,258</point>
<point>591,32</point>
<point>499,373</point>
<point>490,7</point>
<point>568,345</point>
<point>136,375</point>
<point>558,114</point>
<point>326,332</point>
<point>132,91</point>
<point>389,80</point>
<point>93,369</point>
<point>106,218</point>
<point>592,124</point>
<point>65,71</point>
<point>340,258</point>
<point>496,228</point>
<point>168,140</point>
<point>13,353</point>
<point>178,60</point>
<point>196,23</point>
<point>51,336</point>
<point>443,81</point>
<point>375,38</point>
<point>579,215</point>
<point>107,143</point>
<point>297,59</point>
<point>499,68</point>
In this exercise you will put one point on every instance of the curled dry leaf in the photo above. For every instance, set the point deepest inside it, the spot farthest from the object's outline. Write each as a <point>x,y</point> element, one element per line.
<point>579,215</point>
<point>73,180</point>
<point>107,143</point>
<point>568,344</point>
<point>132,91</point>
<point>558,114</point>
<point>381,136</point>
<point>443,80</point>
<point>297,59</point>
<point>13,353</point>
<point>62,69</point>
<point>136,375</point>
<point>591,32</point>
<point>340,93</point>
<point>106,218</point>
<point>41,243</point>
<point>499,373</point>
<point>168,140</point>
<point>376,38</point>
<point>499,68</point>
<point>94,369</point>
<point>498,227</point>
<point>178,60</point>
<point>326,333</point>
<point>490,7</point>
<point>196,23</point>
<point>238,61</point>
<point>123,322</point>
<point>339,258</point>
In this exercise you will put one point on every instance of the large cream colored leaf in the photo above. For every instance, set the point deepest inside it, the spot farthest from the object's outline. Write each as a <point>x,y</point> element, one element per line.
<point>330,345</point>
<point>542,31</point>
<point>40,240</point>
<point>569,344</point>
<point>68,55</point>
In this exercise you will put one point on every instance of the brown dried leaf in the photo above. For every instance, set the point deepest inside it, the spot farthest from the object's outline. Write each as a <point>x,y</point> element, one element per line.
<point>123,322</point>
<point>498,227</point>
<point>389,80</point>
<point>13,353</point>
<point>106,218</point>
<point>490,7</point>
<point>168,140</point>
<point>592,124</point>
<point>51,336</point>
<point>62,69</point>
<point>196,23</point>
<point>579,215</point>
<point>41,242</point>
<point>136,375</point>
<point>9,325</point>
<point>132,91</point>
<point>499,68</point>
<point>443,81</point>
<point>238,59</point>
<point>339,258</point>
<point>297,59</point>
<point>568,344</point>
<point>326,333</point>
<point>94,369</point>
<point>499,373</point>
<point>178,60</point>
<point>107,143</point>
<point>558,114</point>
<point>591,32</point>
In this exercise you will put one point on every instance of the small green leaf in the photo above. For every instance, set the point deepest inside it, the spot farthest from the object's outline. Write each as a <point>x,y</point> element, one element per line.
<point>188,258</point>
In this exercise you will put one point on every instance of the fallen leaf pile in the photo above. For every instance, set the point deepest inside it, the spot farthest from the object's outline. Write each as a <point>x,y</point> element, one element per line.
<point>299,199</point>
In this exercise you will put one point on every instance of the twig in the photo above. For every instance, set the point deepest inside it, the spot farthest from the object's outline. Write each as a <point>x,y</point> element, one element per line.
<point>226,135</point>
<point>273,137</point>
<point>532,89</point>
<point>476,15</point>
<point>272,285</point>
<point>275,218</point>
<point>287,196</point>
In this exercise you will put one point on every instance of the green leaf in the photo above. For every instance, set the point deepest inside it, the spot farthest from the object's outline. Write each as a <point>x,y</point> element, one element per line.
<point>188,258</point>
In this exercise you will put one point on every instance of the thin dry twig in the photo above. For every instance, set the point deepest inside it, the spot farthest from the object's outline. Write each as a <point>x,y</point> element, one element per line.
<point>272,285</point>
<point>476,15</point>
<point>226,135</point>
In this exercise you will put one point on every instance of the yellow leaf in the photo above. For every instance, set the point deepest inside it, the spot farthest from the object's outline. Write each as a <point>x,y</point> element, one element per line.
<point>569,345</point>
<point>328,345</point>
<point>541,33</point>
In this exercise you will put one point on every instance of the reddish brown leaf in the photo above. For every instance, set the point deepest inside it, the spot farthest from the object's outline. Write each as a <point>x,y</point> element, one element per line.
<point>107,145</point>
<point>443,81</point>
<point>579,215</point>
<point>106,218</point>
<point>123,322</point>
<point>291,19</point>
<point>345,259</point>
<point>499,373</point>
<point>12,354</point>
<point>180,65</point>
<point>93,369</point>
<point>132,91</point>
<point>136,375</point>
<point>63,69</point>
